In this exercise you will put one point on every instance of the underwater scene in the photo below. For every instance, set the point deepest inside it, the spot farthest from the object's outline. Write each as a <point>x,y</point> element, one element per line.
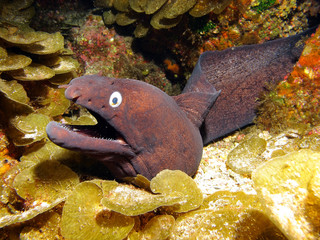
<point>159,119</point>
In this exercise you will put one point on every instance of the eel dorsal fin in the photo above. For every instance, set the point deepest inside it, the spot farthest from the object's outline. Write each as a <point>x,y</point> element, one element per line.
<point>196,105</point>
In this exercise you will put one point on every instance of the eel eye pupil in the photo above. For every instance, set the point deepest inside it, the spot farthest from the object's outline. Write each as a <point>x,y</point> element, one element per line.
<point>115,99</point>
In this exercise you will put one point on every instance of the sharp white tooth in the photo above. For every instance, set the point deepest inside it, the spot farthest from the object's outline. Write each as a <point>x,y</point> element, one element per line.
<point>121,141</point>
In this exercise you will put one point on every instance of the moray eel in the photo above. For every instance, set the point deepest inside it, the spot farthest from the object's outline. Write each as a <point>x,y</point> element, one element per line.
<point>142,130</point>
<point>242,73</point>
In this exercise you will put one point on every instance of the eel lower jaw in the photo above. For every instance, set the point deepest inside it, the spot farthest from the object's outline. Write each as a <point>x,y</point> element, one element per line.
<point>94,140</point>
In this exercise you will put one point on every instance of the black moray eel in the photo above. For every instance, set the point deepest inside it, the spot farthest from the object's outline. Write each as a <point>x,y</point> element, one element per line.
<point>142,130</point>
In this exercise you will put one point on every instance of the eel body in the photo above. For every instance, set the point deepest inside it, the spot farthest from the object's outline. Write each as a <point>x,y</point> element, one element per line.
<point>241,73</point>
<point>142,130</point>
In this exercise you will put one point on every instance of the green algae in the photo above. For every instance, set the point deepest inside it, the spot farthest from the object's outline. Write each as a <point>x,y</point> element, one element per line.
<point>244,158</point>
<point>43,227</point>
<point>17,12</point>
<point>168,182</point>
<point>27,119</point>
<point>169,188</point>
<point>288,186</point>
<point>111,200</point>
<point>153,6</point>
<point>14,62</point>
<point>37,183</point>
<point>46,182</point>
<point>124,19</point>
<point>138,5</point>
<point>10,218</point>
<point>84,217</point>
<point>47,151</point>
<point>3,53</point>
<point>223,215</point>
<point>132,201</point>
<point>83,118</point>
<point>62,79</point>
<point>32,72</point>
<point>139,181</point>
<point>223,200</point>
<point>162,14</point>
<point>14,91</point>
<point>159,227</point>
<point>33,126</point>
<point>66,64</point>
<point>38,191</point>
<point>52,44</point>
<point>55,103</point>
<point>263,5</point>
<point>173,189</point>
<point>22,36</point>
<point>121,5</point>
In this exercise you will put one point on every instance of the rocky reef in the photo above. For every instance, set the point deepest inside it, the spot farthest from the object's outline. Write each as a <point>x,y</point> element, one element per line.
<point>268,188</point>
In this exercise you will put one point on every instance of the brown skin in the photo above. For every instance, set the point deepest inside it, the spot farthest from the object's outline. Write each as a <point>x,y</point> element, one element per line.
<point>150,131</point>
<point>241,73</point>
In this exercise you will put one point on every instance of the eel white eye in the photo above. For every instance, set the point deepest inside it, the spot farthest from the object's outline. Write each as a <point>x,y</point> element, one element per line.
<point>115,99</point>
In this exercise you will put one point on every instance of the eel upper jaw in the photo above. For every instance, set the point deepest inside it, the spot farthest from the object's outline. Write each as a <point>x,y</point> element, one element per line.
<point>100,139</point>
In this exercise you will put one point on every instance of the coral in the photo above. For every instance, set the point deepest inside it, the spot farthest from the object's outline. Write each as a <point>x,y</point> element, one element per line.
<point>7,160</point>
<point>295,100</point>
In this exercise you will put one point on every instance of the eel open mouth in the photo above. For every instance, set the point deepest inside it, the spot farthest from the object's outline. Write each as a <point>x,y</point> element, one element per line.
<point>101,130</point>
<point>97,139</point>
